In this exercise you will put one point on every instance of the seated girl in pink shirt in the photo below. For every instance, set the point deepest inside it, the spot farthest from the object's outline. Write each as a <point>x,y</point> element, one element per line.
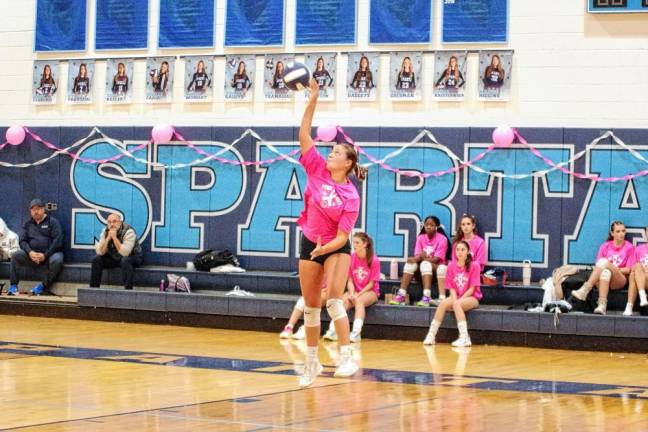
<point>430,256</point>
<point>614,262</point>
<point>463,281</point>
<point>638,277</point>
<point>362,286</point>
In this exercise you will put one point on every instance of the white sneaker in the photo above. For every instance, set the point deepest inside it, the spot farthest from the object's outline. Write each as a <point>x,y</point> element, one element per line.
<point>628,310</point>
<point>286,333</point>
<point>300,334</point>
<point>347,366</point>
<point>429,339</point>
<point>462,342</point>
<point>330,335</point>
<point>355,336</point>
<point>600,309</point>
<point>311,371</point>
<point>643,300</point>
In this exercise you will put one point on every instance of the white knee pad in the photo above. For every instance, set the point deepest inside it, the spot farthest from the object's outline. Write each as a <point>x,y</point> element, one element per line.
<point>602,263</point>
<point>312,316</point>
<point>300,305</point>
<point>426,267</point>
<point>442,269</point>
<point>606,275</point>
<point>410,268</point>
<point>335,309</point>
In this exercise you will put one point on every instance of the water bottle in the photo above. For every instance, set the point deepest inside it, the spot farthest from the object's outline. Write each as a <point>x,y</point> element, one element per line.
<point>526,272</point>
<point>393,269</point>
<point>162,285</point>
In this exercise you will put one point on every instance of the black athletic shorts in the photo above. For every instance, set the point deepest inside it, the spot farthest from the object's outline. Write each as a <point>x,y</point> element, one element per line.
<point>307,247</point>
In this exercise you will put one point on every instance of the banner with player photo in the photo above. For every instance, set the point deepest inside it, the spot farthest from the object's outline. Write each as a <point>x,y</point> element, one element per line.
<point>495,75</point>
<point>362,76</point>
<point>323,67</point>
<point>119,75</point>
<point>159,79</point>
<point>450,75</point>
<point>274,87</point>
<point>405,78</point>
<point>239,77</point>
<point>80,84</point>
<point>45,81</point>
<point>199,71</point>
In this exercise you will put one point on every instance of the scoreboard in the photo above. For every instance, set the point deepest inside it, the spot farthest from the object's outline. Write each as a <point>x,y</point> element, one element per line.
<point>617,6</point>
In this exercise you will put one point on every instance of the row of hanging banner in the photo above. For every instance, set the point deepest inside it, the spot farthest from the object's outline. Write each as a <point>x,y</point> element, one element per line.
<point>406,81</point>
<point>61,25</point>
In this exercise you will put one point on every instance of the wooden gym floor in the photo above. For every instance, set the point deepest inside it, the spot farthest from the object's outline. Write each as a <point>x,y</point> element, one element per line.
<point>67,375</point>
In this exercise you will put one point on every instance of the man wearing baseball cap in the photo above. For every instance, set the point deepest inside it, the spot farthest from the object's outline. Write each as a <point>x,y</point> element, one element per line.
<point>41,245</point>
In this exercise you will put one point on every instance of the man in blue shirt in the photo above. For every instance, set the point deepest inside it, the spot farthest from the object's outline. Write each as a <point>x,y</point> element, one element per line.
<point>41,244</point>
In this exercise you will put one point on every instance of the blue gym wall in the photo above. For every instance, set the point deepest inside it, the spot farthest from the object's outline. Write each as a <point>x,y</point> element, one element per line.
<point>551,220</point>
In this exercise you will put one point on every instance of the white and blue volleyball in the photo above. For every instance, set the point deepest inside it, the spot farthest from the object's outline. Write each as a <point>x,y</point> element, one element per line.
<point>297,76</point>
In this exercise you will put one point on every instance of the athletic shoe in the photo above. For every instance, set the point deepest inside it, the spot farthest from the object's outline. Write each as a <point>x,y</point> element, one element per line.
<point>398,299</point>
<point>462,342</point>
<point>424,302</point>
<point>286,333</point>
<point>330,335</point>
<point>13,290</point>
<point>37,290</point>
<point>347,366</point>
<point>300,334</point>
<point>429,339</point>
<point>355,336</point>
<point>311,371</point>
<point>437,302</point>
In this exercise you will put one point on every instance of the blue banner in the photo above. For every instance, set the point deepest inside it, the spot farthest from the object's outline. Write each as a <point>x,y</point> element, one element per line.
<point>475,21</point>
<point>395,21</point>
<point>186,23</point>
<point>60,25</point>
<point>325,22</point>
<point>254,23</point>
<point>121,24</point>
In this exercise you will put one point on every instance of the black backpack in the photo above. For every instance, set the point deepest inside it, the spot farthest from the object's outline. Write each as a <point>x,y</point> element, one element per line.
<point>211,258</point>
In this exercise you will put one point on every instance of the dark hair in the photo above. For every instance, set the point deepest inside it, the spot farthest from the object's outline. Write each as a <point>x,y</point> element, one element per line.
<point>352,154</point>
<point>612,225</point>
<point>469,257</point>
<point>370,248</point>
<point>459,235</point>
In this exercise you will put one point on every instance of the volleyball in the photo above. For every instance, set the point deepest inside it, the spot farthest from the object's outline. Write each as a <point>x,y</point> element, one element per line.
<point>297,76</point>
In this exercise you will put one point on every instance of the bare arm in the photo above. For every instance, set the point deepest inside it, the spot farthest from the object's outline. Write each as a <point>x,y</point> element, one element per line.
<point>305,140</point>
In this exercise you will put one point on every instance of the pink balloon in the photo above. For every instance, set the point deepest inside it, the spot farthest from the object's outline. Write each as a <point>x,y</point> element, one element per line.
<point>327,133</point>
<point>162,133</point>
<point>503,136</point>
<point>15,135</point>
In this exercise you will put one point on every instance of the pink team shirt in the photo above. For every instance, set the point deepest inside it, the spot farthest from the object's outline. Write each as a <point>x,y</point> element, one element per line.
<point>361,274</point>
<point>436,246</point>
<point>460,280</point>
<point>477,249</point>
<point>328,206</point>
<point>641,255</point>
<point>620,257</point>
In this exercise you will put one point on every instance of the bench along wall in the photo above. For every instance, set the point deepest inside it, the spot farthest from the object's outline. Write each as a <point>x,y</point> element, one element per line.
<point>550,219</point>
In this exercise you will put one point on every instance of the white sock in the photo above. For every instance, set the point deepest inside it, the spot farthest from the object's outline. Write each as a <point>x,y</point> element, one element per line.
<point>642,297</point>
<point>427,293</point>
<point>463,328</point>
<point>628,309</point>
<point>442,295</point>
<point>402,292</point>
<point>331,327</point>
<point>311,353</point>
<point>357,325</point>
<point>345,350</point>
<point>434,327</point>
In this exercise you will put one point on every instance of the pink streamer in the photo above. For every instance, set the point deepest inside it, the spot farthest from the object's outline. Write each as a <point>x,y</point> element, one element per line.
<point>578,175</point>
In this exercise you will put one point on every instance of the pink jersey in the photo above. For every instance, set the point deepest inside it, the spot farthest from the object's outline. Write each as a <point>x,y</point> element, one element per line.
<point>460,280</point>
<point>641,255</point>
<point>328,206</point>
<point>620,257</point>
<point>436,246</point>
<point>477,249</point>
<point>361,274</point>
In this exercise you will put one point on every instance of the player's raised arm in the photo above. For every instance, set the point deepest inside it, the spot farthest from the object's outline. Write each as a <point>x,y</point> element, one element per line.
<point>305,140</point>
